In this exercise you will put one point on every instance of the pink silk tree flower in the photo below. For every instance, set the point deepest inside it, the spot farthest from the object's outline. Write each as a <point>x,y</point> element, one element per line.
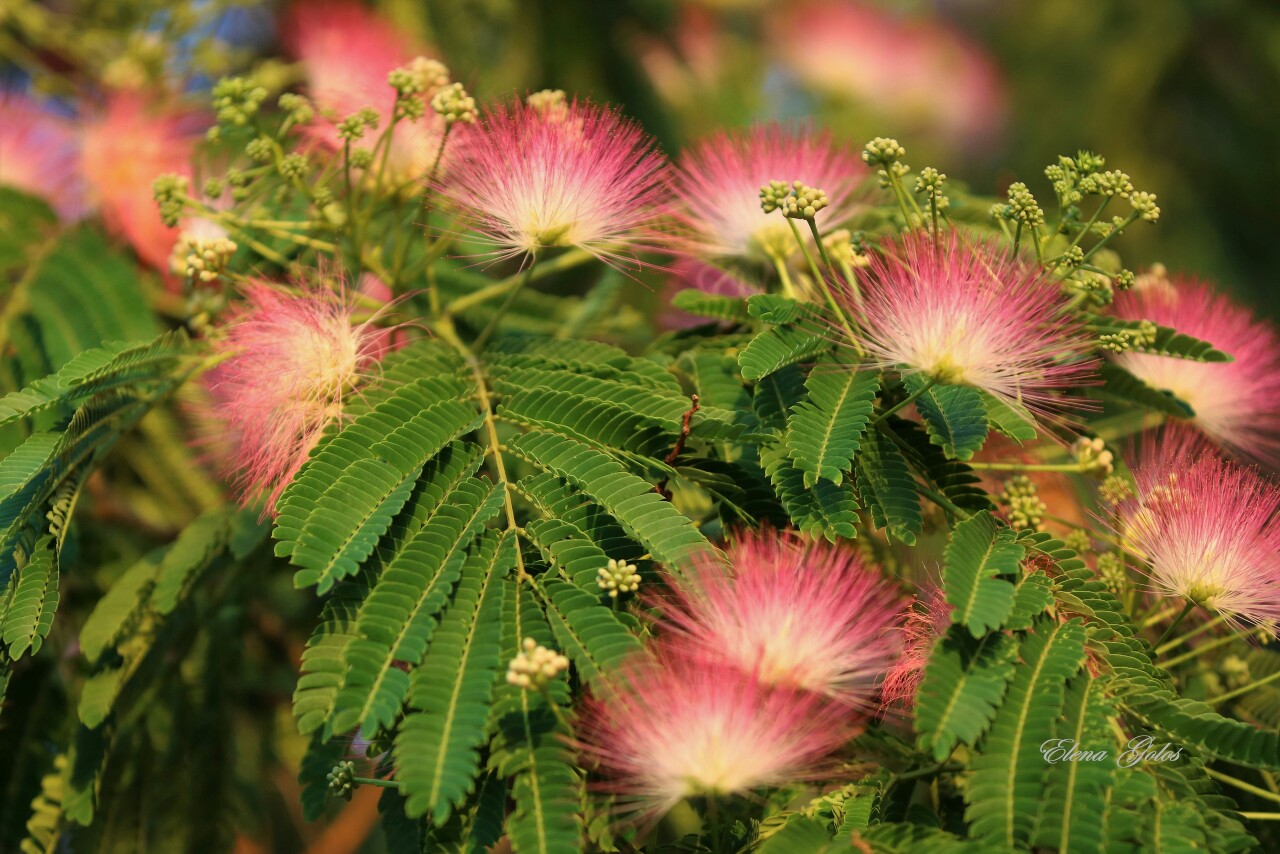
<point>665,727</point>
<point>292,360</point>
<point>1207,528</point>
<point>915,72</point>
<point>927,619</point>
<point>719,181</point>
<point>963,311</point>
<point>1237,404</point>
<point>39,156</point>
<point>581,175</point>
<point>124,147</point>
<point>802,614</point>
<point>347,53</point>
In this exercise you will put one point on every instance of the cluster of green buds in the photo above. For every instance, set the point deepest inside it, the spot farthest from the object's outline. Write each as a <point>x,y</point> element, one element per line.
<point>454,105</point>
<point>535,666</point>
<point>1026,510</point>
<point>1023,207</point>
<point>414,83</point>
<point>1093,457</point>
<point>772,194</point>
<point>170,192</point>
<point>1112,572</point>
<point>342,779</point>
<point>1145,204</point>
<point>236,100</point>
<point>887,154</point>
<point>1078,540</point>
<point>1234,670</point>
<point>1115,489</point>
<point>354,126</point>
<point>297,108</point>
<point>841,249</point>
<point>804,201</point>
<point>1068,172</point>
<point>1130,339</point>
<point>549,103</point>
<point>1124,280</point>
<point>618,577</point>
<point>204,259</point>
<point>930,183</point>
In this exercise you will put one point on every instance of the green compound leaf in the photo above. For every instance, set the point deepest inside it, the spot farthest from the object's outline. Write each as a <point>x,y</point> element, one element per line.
<point>668,534</point>
<point>963,684</point>
<point>824,430</point>
<point>1125,387</point>
<point>887,488</point>
<point>955,416</point>
<point>980,549</point>
<point>397,618</point>
<point>1167,341</point>
<point>1007,787</point>
<point>530,744</point>
<point>589,632</point>
<point>438,749</point>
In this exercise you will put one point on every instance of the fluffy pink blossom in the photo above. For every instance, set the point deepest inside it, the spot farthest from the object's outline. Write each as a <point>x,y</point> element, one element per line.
<point>39,156</point>
<point>1208,529</point>
<point>667,727</point>
<point>582,176</point>
<point>1236,403</point>
<point>293,358</point>
<point>918,73</point>
<point>797,613</point>
<point>719,185</point>
<point>927,620</point>
<point>346,52</point>
<point>125,146</point>
<point>963,311</point>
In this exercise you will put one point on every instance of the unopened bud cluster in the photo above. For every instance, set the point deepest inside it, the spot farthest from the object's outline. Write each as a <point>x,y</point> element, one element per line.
<point>618,577</point>
<point>535,666</point>
<point>804,202</point>
<point>1235,670</point>
<point>1026,510</point>
<point>205,259</point>
<point>236,100</point>
<point>1093,457</point>
<point>1115,489</point>
<point>1130,339</point>
<point>930,183</point>
<point>550,103</point>
<point>454,105</point>
<point>170,192</point>
<point>414,83</point>
<point>1023,206</point>
<point>841,250</point>
<point>342,779</point>
<point>1111,570</point>
<point>1078,540</point>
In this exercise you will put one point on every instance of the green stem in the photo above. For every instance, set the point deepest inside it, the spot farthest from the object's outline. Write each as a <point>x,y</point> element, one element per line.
<point>1128,221</point>
<point>909,399</point>
<point>822,281</point>
<point>1245,689</point>
<point>1062,467</point>
<point>1200,650</point>
<point>1242,785</point>
<point>374,781</point>
<point>1181,639</point>
<point>780,265</point>
<point>492,325</point>
<point>444,328</point>
<point>1176,620</point>
<point>942,768</point>
<point>569,259</point>
<point>804,250</point>
<point>1085,230</point>
<point>1261,816</point>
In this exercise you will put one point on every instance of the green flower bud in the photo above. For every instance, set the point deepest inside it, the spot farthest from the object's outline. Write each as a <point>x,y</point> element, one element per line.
<point>804,202</point>
<point>772,195</point>
<point>883,151</point>
<point>1023,206</point>
<point>454,105</point>
<point>1145,204</point>
<point>236,100</point>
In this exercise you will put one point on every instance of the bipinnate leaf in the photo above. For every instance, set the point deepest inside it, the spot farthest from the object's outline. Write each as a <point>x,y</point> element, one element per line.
<point>981,549</point>
<point>437,751</point>
<point>1007,786</point>
<point>963,684</point>
<point>824,431</point>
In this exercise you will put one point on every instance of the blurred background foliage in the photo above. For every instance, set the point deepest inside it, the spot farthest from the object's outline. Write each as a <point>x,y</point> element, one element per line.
<point>1179,93</point>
